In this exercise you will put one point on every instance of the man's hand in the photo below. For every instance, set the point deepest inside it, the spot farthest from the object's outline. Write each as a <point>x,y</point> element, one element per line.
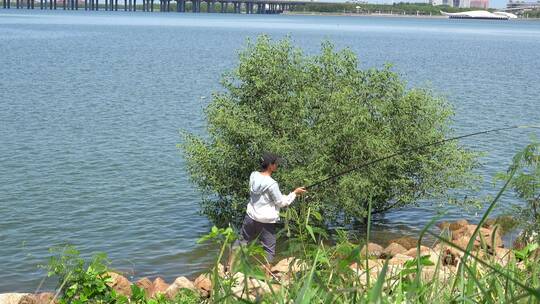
<point>300,190</point>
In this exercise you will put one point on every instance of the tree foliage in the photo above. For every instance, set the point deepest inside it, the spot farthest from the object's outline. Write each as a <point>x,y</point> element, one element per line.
<point>526,186</point>
<point>323,114</point>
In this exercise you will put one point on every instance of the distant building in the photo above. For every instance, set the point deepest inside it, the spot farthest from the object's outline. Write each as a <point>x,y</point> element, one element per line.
<point>523,5</point>
<point>480,4</point>
<point>462,3</point>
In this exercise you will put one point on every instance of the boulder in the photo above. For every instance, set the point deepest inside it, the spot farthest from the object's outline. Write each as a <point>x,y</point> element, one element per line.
<point>489,223</point>
<point>146,285</point>
<point>413,251</point>
<point>393,249</point>
<point>503,255</point>
<point>458,225</point>
<point>289,264</point>
<point>371,250</point>
<point>239,288</point>
<point>459,233</point>
<point>275,288</point>
<point>462,242</point>
<point>258,288</point>
<point>11,298</point>
<point>399,259</point>
<point>363,275</point>
<point>371,265</point>
<point>430,273</point>
<point>434,256</point>
<point>45,298</point>
<point>28,299</point>
<point>159,286</point>
<point>177,285</point>
<point>203,284</point>
<point>405,241</point>
<point>447,255</point>
<point>120,284</point>
<point>221,270</point>
<point>249,288</point>
<point>485,236</point>
<point>443,225</point>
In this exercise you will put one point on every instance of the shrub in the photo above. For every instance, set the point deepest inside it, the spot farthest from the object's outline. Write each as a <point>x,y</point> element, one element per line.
<point>323,115</point>
<point>80,281</point>
<point>526,186</point>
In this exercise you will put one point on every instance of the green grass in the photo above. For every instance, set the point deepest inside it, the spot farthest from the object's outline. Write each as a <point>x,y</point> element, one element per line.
<point>328,272</point>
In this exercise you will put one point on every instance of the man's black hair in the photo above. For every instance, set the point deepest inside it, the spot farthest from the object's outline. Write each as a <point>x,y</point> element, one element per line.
<point>269,158</point>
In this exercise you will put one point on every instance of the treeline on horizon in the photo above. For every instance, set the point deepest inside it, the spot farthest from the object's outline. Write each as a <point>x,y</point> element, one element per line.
<point>396,8</point>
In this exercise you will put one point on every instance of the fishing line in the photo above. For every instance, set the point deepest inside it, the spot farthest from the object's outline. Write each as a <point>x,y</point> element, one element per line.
<point>403,151</point>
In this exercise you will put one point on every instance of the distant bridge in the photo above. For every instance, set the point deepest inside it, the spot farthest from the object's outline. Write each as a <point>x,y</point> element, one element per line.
<point>212,6</point>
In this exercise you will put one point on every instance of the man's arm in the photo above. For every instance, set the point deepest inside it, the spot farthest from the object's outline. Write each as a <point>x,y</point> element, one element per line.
<point>279,199</point>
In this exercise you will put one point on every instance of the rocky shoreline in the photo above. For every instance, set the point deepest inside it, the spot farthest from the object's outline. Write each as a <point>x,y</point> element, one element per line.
<point>488,245</point>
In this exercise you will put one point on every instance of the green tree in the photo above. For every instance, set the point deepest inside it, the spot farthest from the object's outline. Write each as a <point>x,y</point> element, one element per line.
<point>526,185</point>
<point>323,115</point>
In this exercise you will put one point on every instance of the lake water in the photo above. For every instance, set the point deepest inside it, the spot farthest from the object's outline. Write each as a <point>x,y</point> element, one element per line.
<point>91,104</point>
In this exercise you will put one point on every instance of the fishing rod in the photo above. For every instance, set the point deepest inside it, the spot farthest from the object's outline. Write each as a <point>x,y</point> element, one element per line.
<point>403,151</point>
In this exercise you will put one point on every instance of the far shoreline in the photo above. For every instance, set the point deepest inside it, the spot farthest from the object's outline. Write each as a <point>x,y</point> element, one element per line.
<point>336,14</point>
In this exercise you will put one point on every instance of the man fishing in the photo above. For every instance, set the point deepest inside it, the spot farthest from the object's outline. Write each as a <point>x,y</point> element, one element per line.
<point>264,204</point>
